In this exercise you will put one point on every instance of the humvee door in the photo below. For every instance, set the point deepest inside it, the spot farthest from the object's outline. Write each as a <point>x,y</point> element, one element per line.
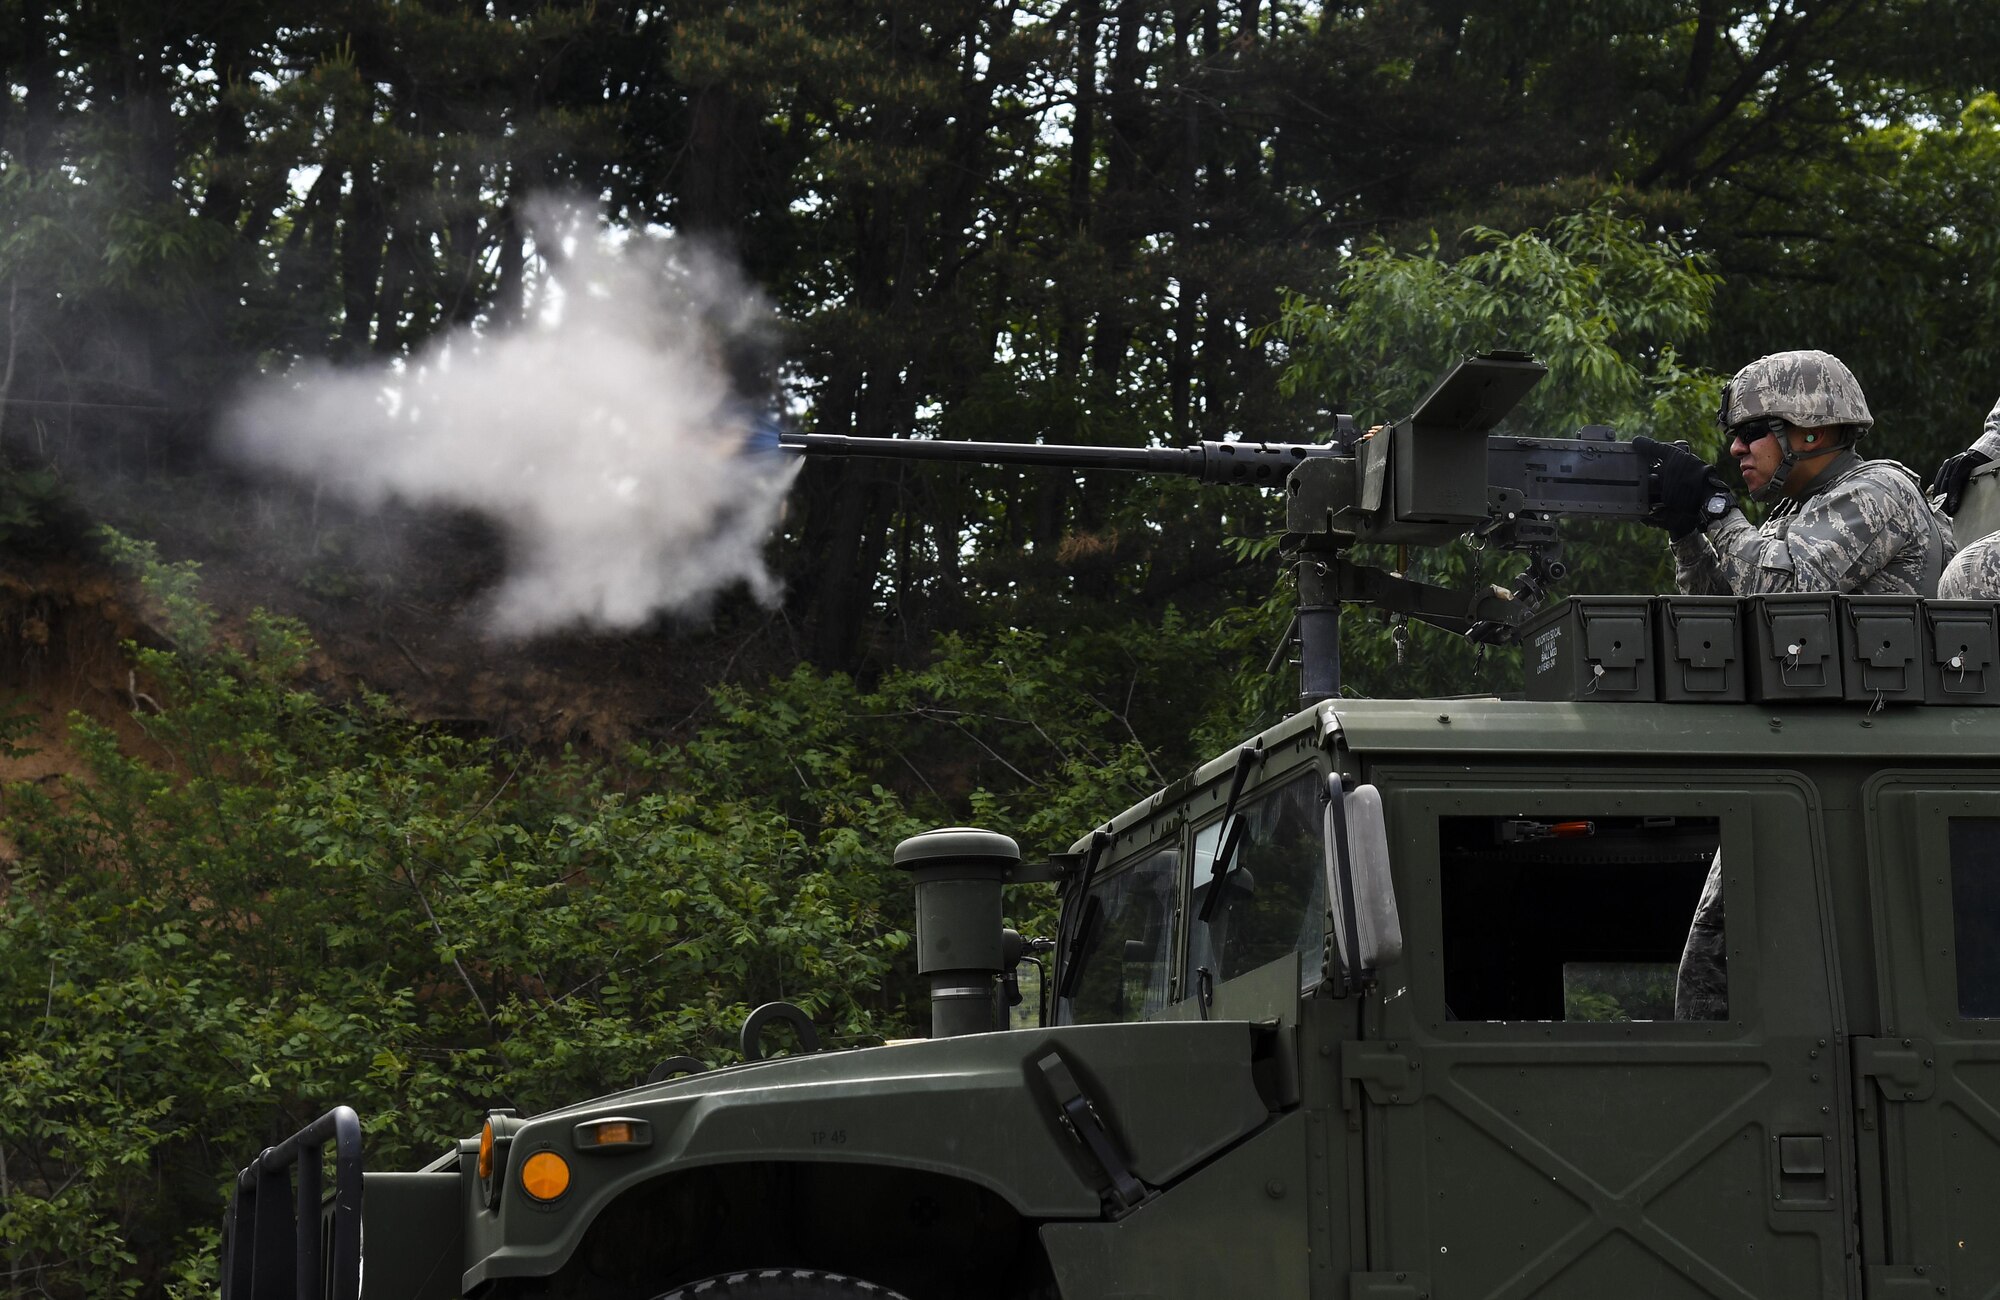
<point>1538,1122</point>
<point>1928,1086</point>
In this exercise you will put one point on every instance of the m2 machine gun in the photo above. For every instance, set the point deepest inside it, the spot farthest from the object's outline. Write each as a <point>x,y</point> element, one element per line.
<point>1433,476</point>
<point>1382,1003</point>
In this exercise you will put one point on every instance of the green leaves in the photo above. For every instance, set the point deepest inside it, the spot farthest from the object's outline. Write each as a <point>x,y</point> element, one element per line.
<point>1604,305</point>
<point>293,906</point>
<point>1608,306</point>
<point>282,906</point>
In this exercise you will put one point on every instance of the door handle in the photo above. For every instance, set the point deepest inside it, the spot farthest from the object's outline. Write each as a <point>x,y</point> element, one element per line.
<point>1801,1169</point>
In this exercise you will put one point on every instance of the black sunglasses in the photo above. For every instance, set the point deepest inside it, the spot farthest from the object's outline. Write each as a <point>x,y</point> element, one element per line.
<point>1761,427</point>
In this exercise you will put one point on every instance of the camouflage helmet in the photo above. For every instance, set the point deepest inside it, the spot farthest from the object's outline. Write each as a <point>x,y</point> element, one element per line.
<point>1808,389</point>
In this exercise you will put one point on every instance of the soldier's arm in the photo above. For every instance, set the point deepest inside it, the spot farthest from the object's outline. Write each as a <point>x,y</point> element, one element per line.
<point>1975,573</point>
<point>1702,560</point>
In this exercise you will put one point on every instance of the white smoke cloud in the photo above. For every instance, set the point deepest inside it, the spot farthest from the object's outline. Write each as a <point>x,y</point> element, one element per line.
<point>602,437</point>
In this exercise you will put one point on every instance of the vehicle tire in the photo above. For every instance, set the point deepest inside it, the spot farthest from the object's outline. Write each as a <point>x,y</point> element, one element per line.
<point>781,1284</point>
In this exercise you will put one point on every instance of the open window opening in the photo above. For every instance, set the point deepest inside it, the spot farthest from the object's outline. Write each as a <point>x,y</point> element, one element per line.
<point>1975,914</point>
<point>1580,918</point>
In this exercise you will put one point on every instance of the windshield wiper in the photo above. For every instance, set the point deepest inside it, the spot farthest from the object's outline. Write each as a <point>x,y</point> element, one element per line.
<point>1232,829</point>
<point>1074,940</point>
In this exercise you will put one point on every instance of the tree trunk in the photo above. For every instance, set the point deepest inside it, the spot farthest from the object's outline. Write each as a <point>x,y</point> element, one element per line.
<point>1127,133</point>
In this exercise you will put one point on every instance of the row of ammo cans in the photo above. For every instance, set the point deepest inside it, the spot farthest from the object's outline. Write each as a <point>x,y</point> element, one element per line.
<point>1877,650</point>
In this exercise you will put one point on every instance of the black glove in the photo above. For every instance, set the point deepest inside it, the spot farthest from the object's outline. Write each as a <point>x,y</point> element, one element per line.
<point>1954,474</point>
<point>1689,494</point>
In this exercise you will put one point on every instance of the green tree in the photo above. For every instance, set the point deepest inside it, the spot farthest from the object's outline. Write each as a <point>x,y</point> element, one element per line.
<point>276,905</point>
<point>1607,306</point>
<point>1887,261</point>
<point>282,906</point>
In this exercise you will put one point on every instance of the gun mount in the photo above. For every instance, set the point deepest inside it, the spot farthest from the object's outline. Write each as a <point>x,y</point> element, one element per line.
<point>1438,474</point>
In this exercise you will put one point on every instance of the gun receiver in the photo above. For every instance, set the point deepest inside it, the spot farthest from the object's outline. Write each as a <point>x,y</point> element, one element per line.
<point>1436,475</point>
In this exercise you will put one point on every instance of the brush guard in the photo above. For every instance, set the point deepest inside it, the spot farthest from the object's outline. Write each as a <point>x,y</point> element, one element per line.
<point>283,1239</point>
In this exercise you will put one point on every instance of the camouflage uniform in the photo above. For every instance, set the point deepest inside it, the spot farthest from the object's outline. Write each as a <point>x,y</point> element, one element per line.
<point>1975,573</point>
<point>1863,526</point>
<point>1701,986</point>
<point>1860,526</point>
<point>1989,441</point>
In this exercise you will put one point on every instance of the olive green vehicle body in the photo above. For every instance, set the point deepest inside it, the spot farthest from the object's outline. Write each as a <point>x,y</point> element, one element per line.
<point>1298,1136</point>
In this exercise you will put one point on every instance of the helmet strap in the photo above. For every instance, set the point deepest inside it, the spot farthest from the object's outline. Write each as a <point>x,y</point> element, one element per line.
<point>1774,487</point>
<point>1789,457</point>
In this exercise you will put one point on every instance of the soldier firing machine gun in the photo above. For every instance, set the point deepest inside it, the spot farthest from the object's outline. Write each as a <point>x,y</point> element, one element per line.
<point>1421,481</point>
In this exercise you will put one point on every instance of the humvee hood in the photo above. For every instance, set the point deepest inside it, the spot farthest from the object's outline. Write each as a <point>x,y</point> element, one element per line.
<point>1172,1094</point>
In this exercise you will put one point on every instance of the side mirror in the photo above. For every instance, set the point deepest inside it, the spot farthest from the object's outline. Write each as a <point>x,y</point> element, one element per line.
<point>1021,1000</point>
<point>1361,898</point>
<point>1032,1011</point>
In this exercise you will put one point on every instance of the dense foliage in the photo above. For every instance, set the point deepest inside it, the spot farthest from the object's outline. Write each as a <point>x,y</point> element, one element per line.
<point>283,906</point>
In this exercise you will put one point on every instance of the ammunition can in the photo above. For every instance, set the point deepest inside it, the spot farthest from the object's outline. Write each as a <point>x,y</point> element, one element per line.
<point>1794,647</point>
<point>1881,647</point>
<point>1700,641</point>
<point>1961,652</point>
<point>1596,648</point>
<point>1440,475</point>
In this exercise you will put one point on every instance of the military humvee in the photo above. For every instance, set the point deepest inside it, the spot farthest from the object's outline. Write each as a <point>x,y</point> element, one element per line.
<point>1379,1005</point>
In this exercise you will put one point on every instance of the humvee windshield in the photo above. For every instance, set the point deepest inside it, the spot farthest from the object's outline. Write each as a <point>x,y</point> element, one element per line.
<point>1274,904</point>
<point>1126,954</point>
<point>1274,896</point>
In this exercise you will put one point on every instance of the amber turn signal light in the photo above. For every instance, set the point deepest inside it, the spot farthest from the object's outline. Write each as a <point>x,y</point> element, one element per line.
<point>495,1136</point>
<point>612,1134</point>
<point>545,1175</point>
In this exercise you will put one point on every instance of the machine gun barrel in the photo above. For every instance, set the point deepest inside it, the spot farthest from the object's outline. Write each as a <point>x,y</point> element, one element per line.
<point>1262,464</point>
<point>1423,481</point>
